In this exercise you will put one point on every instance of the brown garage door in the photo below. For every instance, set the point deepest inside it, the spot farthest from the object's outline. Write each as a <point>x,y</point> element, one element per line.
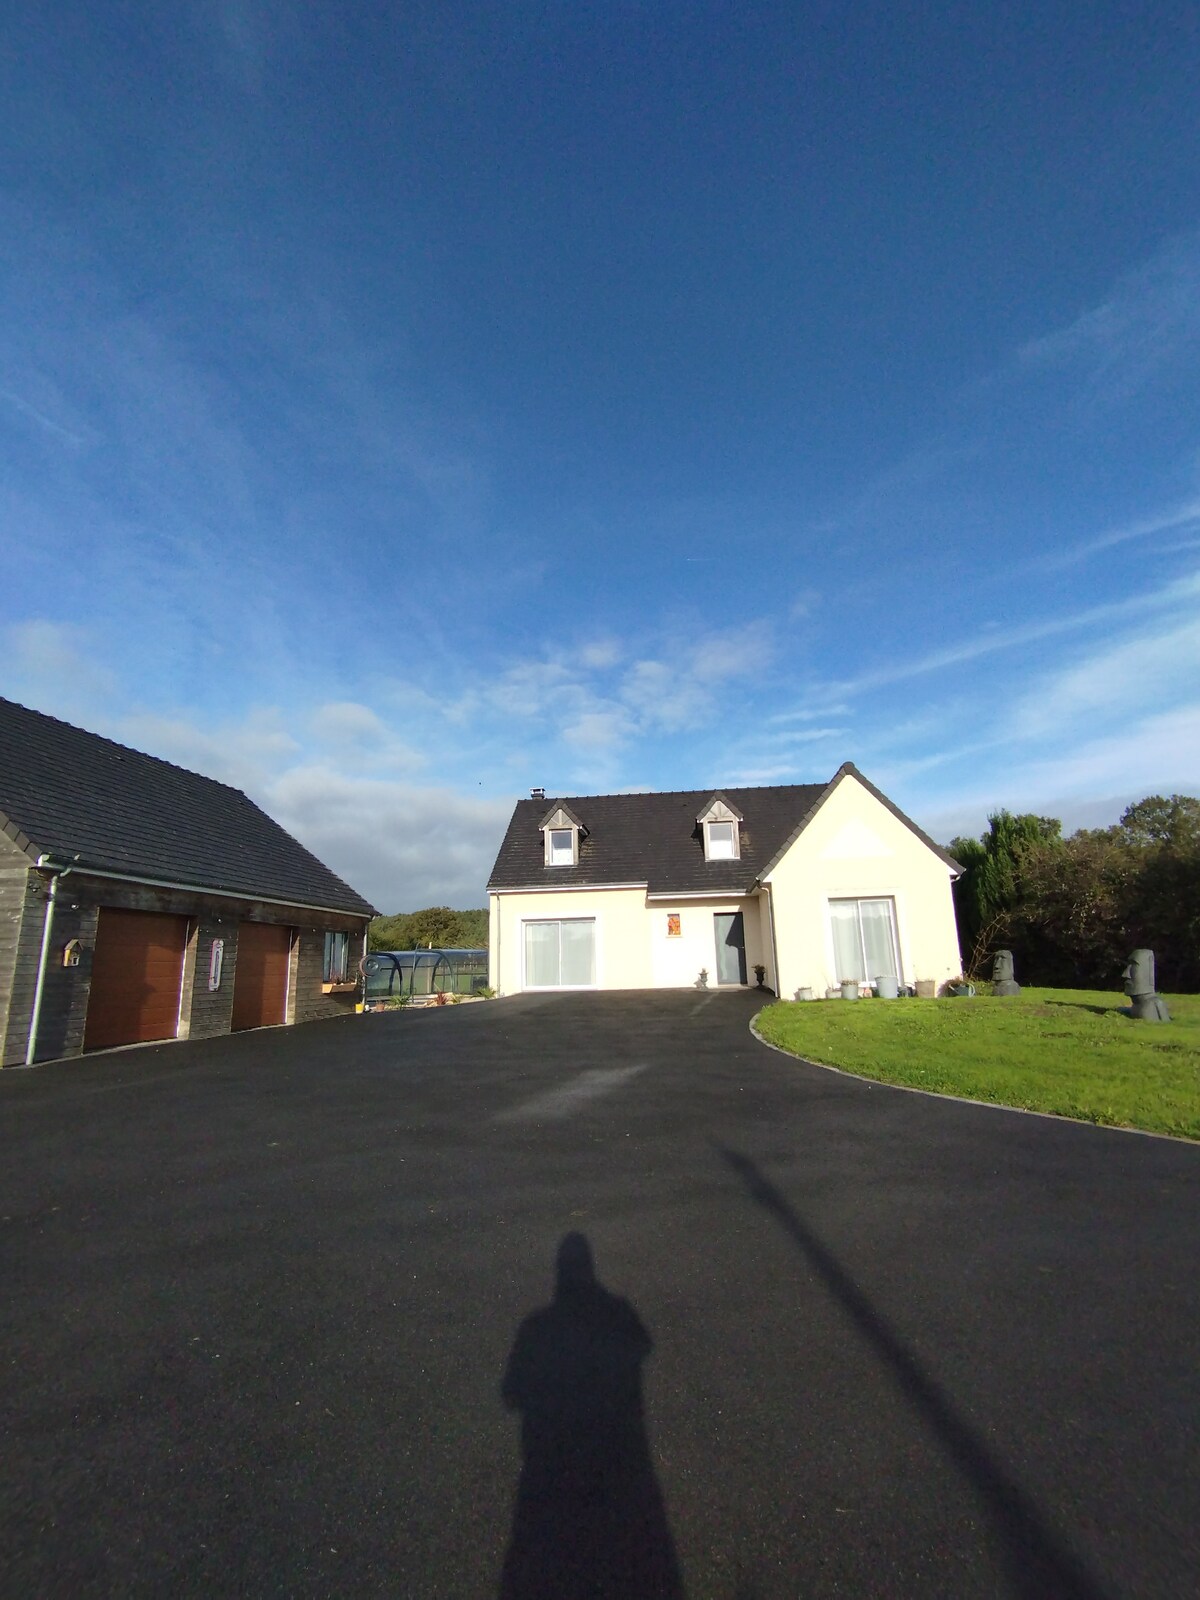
<point>260,983</point>
<point>137,972</point>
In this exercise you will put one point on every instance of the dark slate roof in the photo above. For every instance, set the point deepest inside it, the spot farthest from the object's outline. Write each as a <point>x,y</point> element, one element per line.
<point>655,839</point>
<point>66,793</point>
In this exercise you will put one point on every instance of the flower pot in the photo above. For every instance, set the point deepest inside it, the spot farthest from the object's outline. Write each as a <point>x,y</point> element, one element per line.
<point>804,994</point>
<point>886,988</point>
<point>850,989</point>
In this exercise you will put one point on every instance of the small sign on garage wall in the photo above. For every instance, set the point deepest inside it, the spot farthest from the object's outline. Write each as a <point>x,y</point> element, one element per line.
<point>216,960</point>
<point>673,929</point>
<point>72,951</point>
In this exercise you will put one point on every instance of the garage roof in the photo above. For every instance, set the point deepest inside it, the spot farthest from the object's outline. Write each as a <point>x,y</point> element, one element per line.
<point>84,800</point>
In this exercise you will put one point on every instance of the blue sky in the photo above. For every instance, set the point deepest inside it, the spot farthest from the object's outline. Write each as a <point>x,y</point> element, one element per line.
<point>401,406</point>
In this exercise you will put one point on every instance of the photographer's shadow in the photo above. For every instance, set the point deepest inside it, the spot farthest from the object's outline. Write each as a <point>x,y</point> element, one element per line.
<point>589,1517</point>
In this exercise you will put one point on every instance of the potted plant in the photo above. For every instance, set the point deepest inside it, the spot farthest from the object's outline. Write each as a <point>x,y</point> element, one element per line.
<point>760,973</point>
<point>849,988</point>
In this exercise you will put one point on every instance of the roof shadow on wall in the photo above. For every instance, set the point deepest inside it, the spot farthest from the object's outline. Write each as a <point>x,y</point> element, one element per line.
<point>1038,1564</point>
<point>589,1519</point>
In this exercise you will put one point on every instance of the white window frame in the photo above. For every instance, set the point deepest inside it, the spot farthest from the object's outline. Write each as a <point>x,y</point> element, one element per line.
<point>856,900</point>
<point>552,860</point>
<point>722,822</point>
<point>561,988</point>
<point>335,957</point>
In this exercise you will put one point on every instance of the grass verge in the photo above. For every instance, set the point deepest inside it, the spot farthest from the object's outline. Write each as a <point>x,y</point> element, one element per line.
<point>1069,1051</point>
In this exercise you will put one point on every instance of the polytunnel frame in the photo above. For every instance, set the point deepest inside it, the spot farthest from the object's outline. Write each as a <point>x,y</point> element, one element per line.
<point>414,961</point>
<point>421,975</point>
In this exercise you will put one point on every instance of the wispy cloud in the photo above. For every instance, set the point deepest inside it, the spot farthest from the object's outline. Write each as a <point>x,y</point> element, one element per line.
<point>573,694</point>
<point>1181,591</point>
<point>1154,755</point>
<point>55,664</point>
<point>32,414</point>
<point>1123,681</point>
<point>808,735</point>
<point>1142,528</point>
<point>1152,318</point>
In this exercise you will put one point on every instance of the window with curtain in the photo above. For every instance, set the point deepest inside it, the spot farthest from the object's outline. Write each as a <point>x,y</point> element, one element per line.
<point>336,960</point>
<point>560,955</point>
<point>865,946</point>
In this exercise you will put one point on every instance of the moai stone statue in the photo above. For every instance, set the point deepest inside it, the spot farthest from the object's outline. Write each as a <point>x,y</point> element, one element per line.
<point>1003,981</point>
<point>1139,986</point>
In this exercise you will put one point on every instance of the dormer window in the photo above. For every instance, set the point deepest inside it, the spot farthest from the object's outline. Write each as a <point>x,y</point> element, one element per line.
<point>561,833</point>
<point>560,847</point>
<point>722,827</point>
<point>720,841</point>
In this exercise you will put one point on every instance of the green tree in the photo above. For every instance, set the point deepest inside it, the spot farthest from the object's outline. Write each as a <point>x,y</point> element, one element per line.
<point>1072,919</point>
<point>1072,909</point>
<point>438,926</point>
<point>990,886</point>
<point>1165,905</point>
<point>1174,822</point>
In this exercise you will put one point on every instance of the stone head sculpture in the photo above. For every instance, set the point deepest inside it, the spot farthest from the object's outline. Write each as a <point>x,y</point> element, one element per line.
<point>1139,974</point>
<point>1145,1005</point>
<point>1003,981</point>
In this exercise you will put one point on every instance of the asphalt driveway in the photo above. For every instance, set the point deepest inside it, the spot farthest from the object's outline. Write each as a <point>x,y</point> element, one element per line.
<point>261,1296</point>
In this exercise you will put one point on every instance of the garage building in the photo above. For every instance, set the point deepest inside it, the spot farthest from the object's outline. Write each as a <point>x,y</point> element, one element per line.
<point>140,901</point>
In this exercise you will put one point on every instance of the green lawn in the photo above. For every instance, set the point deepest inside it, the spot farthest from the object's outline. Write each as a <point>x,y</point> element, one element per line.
<point>1068,1051</point>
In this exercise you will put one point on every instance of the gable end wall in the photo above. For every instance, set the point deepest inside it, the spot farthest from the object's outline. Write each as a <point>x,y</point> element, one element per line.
<point>854,847</point>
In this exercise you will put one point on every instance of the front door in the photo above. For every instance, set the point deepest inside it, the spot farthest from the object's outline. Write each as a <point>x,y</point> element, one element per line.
<point>731,947</point>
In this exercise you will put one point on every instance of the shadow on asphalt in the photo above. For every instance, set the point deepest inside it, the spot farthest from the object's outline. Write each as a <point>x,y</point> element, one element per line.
<point>1039,1565</point>
<point>589,1518</point>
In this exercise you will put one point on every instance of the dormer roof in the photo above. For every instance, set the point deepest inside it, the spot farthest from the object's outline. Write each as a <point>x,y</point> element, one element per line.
<point>560,815</point>
<point>719,809</point>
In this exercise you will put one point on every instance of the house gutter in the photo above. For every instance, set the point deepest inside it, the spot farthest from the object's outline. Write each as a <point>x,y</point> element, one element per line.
<point>35,1016</point>
<point>196,888</point>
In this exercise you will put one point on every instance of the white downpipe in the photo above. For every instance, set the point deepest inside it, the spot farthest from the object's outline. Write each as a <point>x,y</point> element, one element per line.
<point>770,894</point>
<point>35,1015</point>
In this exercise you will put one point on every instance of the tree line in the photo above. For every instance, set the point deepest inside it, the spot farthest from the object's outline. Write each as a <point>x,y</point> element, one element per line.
<point>1071,909</point>
<point>435,925</point>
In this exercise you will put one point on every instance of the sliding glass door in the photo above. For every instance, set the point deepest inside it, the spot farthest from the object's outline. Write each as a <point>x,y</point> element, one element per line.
<point>561,955</point>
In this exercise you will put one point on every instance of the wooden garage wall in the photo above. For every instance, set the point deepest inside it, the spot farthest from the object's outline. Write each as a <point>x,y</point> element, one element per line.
<point>203,1015</point>
<point>206,1014</point>
<point>14,877</point>
<point>306,1003</point>
<point>65,992</point>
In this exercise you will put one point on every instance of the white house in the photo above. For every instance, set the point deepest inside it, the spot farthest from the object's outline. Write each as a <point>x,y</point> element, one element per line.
<point>815,883</point>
